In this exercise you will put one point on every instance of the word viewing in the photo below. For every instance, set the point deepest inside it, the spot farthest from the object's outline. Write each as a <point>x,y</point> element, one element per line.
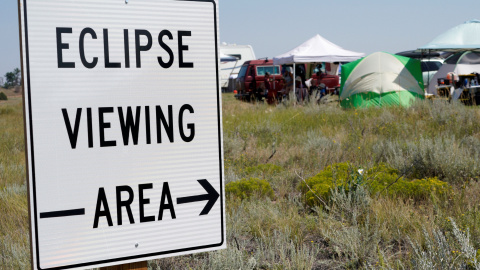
<point>129,122</point>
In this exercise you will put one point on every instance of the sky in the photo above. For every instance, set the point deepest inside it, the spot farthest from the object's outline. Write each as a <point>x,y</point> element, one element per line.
<point>273,27</point>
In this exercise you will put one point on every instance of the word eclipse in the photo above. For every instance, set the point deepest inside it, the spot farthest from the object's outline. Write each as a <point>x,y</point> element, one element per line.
<point>91,62</point>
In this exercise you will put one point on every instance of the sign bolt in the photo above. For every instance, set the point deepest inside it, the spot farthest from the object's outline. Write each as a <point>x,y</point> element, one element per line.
<point>136,245</point>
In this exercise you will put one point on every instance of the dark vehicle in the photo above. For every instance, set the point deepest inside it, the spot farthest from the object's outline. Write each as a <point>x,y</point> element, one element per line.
<point>250,81</point>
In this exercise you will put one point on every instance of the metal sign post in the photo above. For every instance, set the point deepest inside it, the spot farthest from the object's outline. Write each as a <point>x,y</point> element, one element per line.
<point>123,130</point>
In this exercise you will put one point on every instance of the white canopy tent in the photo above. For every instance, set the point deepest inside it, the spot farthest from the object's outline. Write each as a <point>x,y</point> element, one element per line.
<point>463,37</point>
<point>316,50</point>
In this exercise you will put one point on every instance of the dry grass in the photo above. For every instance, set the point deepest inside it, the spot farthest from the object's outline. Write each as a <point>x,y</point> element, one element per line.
<point>14,240</point>
<point>14,96</point>
<point>437,138</point>
<point>12,149</point>
<point>354,230</point>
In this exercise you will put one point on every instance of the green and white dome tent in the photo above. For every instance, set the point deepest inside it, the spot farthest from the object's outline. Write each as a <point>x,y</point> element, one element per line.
<point>381,79</point>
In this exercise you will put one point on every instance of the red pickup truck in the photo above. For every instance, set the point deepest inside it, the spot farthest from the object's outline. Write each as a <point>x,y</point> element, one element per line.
<point>251,78</point>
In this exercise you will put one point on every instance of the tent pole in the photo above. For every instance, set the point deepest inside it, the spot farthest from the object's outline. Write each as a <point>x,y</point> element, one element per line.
<point>294,82</point>
<point>428,70</point>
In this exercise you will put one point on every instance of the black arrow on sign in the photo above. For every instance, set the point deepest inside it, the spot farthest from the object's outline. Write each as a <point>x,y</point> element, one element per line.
<point>212,196</point>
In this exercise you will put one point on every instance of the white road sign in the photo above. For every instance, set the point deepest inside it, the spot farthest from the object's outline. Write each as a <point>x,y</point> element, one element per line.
<point>123,130</point>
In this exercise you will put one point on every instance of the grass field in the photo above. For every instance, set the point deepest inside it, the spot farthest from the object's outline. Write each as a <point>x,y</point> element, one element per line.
<point>317,187</point>
<point>14,239</point>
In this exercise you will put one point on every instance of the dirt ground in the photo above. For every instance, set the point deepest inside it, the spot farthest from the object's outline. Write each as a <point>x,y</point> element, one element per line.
<point>13,95</point>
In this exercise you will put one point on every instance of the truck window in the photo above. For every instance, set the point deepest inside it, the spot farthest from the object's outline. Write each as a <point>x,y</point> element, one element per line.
<point>243,71</point>
<point>431,66</point>
<point>273,70</point>
<point>318,68</point>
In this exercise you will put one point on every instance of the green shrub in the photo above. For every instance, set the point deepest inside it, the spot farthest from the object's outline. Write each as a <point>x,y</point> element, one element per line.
<point>322,183</point>
<point>246,188</point>
<point>3,96</point>
<point>376,179</point>
<point>383,176</point>
<point>418,189</point>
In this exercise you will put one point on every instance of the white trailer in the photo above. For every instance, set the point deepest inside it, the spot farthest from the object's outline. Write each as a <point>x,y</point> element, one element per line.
<point>230,68</point>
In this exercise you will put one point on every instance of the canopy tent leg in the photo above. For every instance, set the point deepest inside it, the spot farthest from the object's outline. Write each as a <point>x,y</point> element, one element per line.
<point>428,71</point>
<point>294,82</point>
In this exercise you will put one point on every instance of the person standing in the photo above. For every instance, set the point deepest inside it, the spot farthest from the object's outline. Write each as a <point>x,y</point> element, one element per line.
<point>262,91</point>
<point>288,78</point>
<point>300,90</point>
<point>267,84</point>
